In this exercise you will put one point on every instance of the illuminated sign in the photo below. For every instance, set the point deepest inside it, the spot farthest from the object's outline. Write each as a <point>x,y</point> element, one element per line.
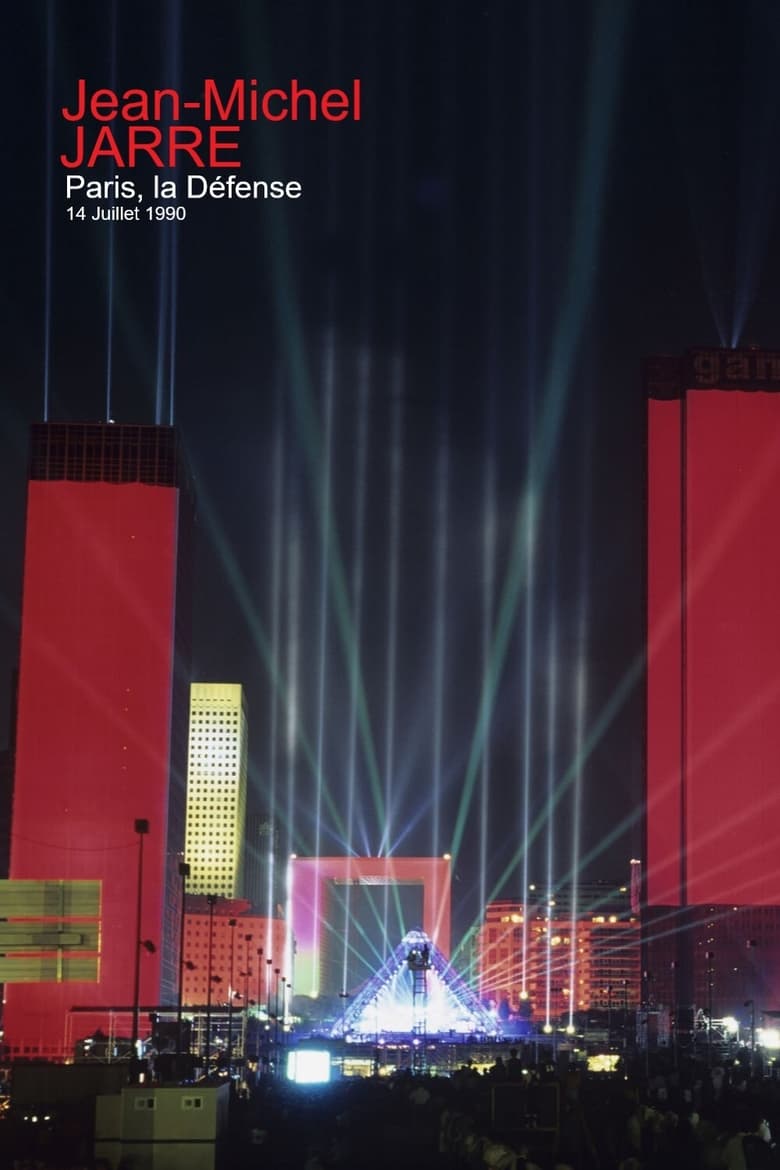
<point>740,368</point>
<point>708,369</point>
<point>49,931</point>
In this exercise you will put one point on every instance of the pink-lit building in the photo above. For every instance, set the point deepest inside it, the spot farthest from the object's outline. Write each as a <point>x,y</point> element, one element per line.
<point>712,883</point>
<point>549,957</point>
<point>243,952</point>
<point>102,711</point>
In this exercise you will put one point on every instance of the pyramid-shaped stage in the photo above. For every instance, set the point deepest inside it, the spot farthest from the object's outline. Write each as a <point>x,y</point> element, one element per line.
<point>415,992</point>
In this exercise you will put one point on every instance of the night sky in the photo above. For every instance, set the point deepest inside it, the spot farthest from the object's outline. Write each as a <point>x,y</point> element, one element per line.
<point>411,400</point>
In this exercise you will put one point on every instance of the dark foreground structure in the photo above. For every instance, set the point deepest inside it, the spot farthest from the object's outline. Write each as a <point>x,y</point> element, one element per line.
<point>511,1115</point>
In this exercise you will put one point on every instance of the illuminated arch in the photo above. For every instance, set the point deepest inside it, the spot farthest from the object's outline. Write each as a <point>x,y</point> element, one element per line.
<point>309,878</point>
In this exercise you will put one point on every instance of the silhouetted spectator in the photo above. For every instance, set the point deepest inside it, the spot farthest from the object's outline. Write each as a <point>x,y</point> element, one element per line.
<point>514,1066</point>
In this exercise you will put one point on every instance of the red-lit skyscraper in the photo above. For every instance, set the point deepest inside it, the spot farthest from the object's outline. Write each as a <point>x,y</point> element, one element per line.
<point>102,709</point>
<point>713,674</point>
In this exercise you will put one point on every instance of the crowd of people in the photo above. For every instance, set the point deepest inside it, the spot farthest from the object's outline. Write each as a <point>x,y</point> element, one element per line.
<point>516,1114</point>
<point>519,1116</point>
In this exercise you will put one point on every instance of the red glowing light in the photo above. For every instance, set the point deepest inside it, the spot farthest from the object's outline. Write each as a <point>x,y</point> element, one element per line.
<point>713,648</point>
<point>93,734</point>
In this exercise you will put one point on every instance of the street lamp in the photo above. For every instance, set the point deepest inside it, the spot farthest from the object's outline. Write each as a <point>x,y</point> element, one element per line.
<point>751,944</point>
<point>259,1002</point>
<point>709,956</point>
<point>279,977</point>
<point>141,827</point>
<point>751,1003</point>
<point>246,1002</point>
<point>232,925</point>
<point>267,1038</point>
<point>184,873</point>
<point>247,974</point>
<point>647,997</point>
<point>211,899</point>
<point>259,976</point>
<point>345,997</point>
<point>287,1008</point>
<point>674,966</point>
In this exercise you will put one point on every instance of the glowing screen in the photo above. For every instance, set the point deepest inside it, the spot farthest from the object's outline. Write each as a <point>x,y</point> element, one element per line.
<point>308,1066</point>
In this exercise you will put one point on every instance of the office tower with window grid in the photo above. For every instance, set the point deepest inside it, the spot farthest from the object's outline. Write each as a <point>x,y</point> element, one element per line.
<point>216,789</point>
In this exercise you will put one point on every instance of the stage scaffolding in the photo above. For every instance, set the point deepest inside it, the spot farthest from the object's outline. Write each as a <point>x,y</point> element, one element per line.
<point>104,1033</point>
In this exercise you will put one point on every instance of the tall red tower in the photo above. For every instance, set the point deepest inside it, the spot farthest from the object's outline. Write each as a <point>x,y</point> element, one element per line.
<point>713,664</point>
<point>102,710</point>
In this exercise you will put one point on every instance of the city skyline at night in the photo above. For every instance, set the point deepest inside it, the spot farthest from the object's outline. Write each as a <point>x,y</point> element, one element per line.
<point>410,398</point>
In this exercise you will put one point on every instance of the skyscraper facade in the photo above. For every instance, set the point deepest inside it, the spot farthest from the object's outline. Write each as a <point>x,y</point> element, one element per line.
<point>242,954</point>
<point>216,789</point>
<point>713,654</point>
<point>102,711</point>
<point>549,957</point>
